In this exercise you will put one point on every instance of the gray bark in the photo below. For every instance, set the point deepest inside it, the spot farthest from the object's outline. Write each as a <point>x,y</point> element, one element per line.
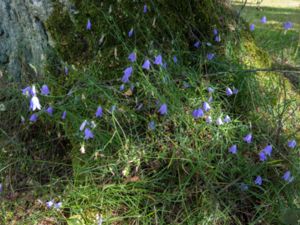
<point>23,38</point>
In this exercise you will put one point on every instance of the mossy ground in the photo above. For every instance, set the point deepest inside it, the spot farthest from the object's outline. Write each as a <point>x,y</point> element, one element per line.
<point>180,173</point>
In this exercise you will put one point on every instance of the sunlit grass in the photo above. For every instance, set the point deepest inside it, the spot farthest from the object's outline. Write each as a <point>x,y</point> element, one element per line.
<point>282,45</point>
<point>179,173</point>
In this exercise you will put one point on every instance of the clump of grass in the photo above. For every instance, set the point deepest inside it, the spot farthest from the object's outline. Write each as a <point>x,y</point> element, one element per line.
<point>181,171</point>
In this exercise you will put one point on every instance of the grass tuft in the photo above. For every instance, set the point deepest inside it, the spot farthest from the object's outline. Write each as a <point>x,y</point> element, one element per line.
<point>181,172</point>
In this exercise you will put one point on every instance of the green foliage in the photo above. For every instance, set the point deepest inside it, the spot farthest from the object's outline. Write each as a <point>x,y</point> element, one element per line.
<point>283,47</point>
<point>179,173</point>
<point>111,22</point>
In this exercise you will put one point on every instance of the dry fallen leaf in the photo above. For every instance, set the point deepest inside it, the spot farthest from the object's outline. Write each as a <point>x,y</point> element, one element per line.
<point>128,92</point>
<point>133,179</point>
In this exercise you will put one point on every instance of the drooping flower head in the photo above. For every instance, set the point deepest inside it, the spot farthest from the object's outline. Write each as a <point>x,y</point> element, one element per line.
<point>233,149</point>
<point>33,117</point>
<point>88,25</point>
<point>163,109</point>
<point>83,124</point>
<point>210,90</point>
<point>268,150</point>
<point>49,110</point>
<point>292,144</point>
<point>130,33</point>
<point>198,113</point>
<point>35,103</point>
<point>215,31</point>
<point>227,119</point>
<point>64,115</point>
<point>262,156</point>
<point>49,204</point>
<point>248,138</point>
<point>88,134</point>
<point>45,90</point>
<point>132,57</point>
<point>57,205</point>
<point>263,20</point>
<point>287,176</point>
<point>206,106</point>
<point>219,121</point>
<point>99,112</point>
<point>175,60</point>
<point>1,188</point>
<point>235,91</point>
<point>208,119</point>
<point>288,25</point>
<point>27,91</point>
<point>258,181</point>
<point>146,65</point>
<point>122,87</point>
<point>145,8</point>
<point>158,60</point>
<point>229,91</point>
<point>127,74</point>
<point>252,27</point>
<point>82,149</point>
<point>197,44</point>
<point>218,38</point>
<point>210,56</point>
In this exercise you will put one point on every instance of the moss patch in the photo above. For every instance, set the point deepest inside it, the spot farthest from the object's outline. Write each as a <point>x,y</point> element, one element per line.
<point>175,29</point>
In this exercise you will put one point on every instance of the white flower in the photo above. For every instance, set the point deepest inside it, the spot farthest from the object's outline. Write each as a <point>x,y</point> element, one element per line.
<point>227,119</point>
<point>82,149</point>
<point>219,121</point>
<point>35,103</point>
<point>57,205</point>
<point>82,126</point>
<point>50,203</point>
<point>99,219</point>
<point>208,119</point>
<point>93,124</point>
<point>2,107</point>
